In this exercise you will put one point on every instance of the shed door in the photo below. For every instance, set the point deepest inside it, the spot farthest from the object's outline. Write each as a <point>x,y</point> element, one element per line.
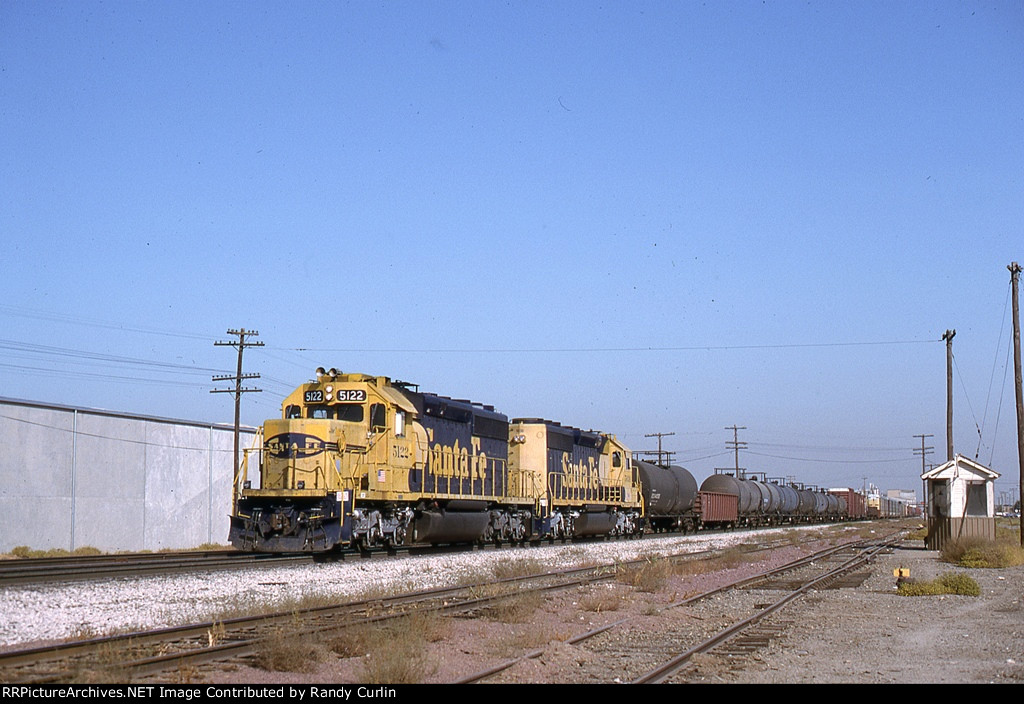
<point>940,498</point>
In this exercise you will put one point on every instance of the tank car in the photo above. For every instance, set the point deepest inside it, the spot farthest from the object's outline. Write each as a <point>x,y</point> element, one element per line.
<point>753,499</point>
<point>670,495</point>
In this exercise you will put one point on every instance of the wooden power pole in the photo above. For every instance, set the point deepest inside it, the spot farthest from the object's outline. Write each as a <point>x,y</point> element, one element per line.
<point>241,344</point>
<point>736,444</point>
<point>1014,276</point>
<point>664,458</point>
<point>924,451</point>
<point>948,337</point>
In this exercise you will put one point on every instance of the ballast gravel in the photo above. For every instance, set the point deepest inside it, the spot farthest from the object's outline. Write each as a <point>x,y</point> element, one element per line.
<point>859,633</point>
<point>56,611</point>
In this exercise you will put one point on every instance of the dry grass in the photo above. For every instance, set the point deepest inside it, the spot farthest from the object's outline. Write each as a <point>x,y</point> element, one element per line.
<point>103,667</point>
<point>26,551</point>
<point>601,600</point>
<point>517,608</point>
<point>291,650</point>
<point>651,576</point>
<point>919,532</point>
<point>397,651</point>
<point>521,567</point>
<point>400,664</point>
<point>732,557</point>
<point>976,552</point>
<point>509,644</point>
<point>394,651</point>
<point>947,583</point>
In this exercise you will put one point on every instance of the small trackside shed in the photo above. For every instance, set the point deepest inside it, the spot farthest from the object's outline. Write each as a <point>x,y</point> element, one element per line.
<point>961,502</point>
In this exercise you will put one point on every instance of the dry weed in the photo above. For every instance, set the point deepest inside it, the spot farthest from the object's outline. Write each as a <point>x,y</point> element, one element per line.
<point>291,651</point>
<point>601,601</point>
<point>652,576</point>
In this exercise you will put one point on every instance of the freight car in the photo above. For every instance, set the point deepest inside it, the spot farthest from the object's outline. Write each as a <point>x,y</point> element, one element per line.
<point>359,461</point>
<point>729,499</point>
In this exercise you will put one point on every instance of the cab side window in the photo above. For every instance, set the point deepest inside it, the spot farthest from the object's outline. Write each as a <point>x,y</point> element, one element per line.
<point>378,417</point>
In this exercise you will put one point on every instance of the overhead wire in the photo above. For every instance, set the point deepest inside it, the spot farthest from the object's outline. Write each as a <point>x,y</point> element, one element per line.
<point>995,363</point>
<point>63,318</point>
<point>970,407</point>
<point>652,348</point>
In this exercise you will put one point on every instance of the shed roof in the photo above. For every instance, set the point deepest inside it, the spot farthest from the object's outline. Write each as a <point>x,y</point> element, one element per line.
<point>958,466</point>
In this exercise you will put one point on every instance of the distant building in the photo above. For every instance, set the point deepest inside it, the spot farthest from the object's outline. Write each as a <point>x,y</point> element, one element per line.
<point>905,495</point>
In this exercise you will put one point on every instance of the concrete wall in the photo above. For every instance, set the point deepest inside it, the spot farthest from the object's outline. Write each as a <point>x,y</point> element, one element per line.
<point>73,477</point>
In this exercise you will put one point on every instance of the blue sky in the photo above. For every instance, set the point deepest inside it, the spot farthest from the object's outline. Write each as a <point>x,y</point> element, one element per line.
<point>637,217</point>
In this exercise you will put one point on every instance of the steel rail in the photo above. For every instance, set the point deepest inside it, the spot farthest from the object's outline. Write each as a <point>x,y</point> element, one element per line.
<point>65,652</point>
<point>667,669</point>
<point>788,567</point>
<point>87,567</point>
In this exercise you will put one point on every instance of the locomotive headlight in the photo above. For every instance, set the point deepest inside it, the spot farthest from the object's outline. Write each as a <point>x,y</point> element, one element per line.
<point>329,395</point>
<point>328,388</point>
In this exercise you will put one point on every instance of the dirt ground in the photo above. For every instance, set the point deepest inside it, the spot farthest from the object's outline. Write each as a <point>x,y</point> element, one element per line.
<point>861,634</point>
<point>870,634</point>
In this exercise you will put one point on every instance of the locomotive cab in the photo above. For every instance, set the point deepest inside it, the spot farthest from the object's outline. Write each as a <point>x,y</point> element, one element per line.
<point>582,483</point>
<point>340,437</point>
<point>358,460</point>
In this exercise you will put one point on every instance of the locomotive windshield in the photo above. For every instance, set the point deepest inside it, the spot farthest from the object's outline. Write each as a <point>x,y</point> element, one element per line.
<point>350,412</point>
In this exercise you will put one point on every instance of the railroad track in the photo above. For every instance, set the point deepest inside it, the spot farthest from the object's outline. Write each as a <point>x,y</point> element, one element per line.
<point>148,653</point>
<point>66,569</point>
<point>734,626</point>
<point>87,567</point>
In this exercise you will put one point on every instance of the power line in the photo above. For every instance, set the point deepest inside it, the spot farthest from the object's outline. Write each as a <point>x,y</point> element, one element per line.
<point>64,318</point>
<point>808,459</point>
<point>37,349</point>
<point>509,350</point>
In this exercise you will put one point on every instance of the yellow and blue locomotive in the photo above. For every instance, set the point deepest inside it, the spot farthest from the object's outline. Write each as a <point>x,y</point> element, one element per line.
<point>359,461</point>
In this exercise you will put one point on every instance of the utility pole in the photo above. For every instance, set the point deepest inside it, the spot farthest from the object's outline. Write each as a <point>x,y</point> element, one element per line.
<point>1014,276</point>
<point>924,451</point>
<point>948,337</point>
<point>736,444</point>
<point>241,344</point>
<point>660,453</point>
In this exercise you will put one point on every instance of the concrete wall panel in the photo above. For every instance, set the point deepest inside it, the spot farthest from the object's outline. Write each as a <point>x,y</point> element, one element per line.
<point>74,477</point>
<point>36,449</point>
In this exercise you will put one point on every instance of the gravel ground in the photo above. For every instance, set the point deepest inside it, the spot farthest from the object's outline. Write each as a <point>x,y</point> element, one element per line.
<point>869,634</point>
<point>83,609</point>
<point>862,634</point>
